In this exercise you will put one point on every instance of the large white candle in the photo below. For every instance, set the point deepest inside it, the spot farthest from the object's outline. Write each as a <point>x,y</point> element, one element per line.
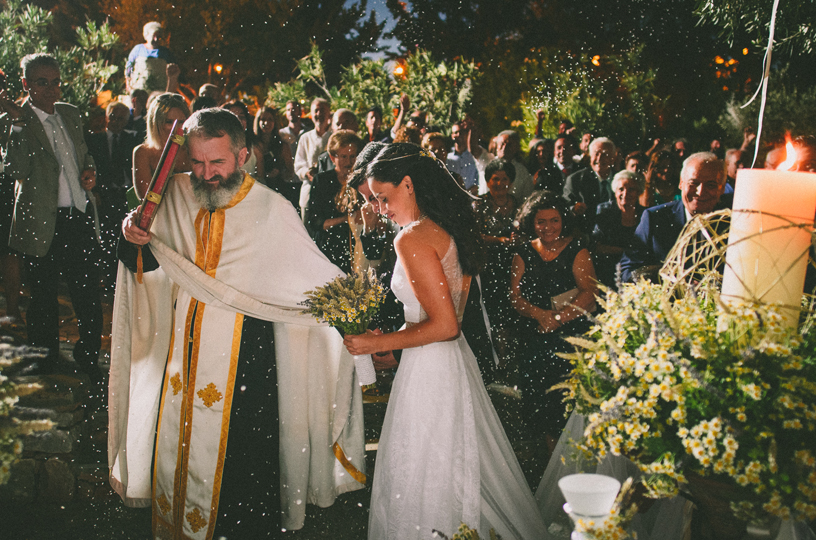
<point>766,258</point>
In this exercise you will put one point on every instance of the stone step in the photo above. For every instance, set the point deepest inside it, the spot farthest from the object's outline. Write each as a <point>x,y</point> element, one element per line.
<point>61,419</point>
<point>60,392</point>
<point>54,441</point>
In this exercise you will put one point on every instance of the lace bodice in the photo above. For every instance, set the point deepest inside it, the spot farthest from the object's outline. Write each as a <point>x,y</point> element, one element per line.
<point>453,275</point>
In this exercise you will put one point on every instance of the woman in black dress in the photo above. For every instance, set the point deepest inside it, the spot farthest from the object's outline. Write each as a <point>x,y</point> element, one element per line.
<point>552,286</point>
<point>496,213</point>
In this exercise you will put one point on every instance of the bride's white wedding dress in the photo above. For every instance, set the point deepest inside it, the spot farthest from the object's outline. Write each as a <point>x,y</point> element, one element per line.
<point>443,456</point>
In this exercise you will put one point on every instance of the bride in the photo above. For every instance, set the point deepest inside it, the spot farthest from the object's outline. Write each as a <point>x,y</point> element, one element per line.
<point>443,457</point>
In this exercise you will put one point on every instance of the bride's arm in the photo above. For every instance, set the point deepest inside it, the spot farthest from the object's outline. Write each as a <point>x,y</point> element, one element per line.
<point>424,271</point>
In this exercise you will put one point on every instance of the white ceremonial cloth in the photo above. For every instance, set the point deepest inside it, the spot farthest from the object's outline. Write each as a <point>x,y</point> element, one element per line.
<point>267,262</point>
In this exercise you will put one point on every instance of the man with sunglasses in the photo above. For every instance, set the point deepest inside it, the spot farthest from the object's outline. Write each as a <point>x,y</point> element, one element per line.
<point>53,225</point>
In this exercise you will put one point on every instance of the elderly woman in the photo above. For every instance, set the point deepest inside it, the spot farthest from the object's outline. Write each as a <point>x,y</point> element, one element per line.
<point>662,179</point>
<point>615,224</point>
<point>332,205</point>
<point>496,212</point>
<point>162,112</point>
<point>552,286</point>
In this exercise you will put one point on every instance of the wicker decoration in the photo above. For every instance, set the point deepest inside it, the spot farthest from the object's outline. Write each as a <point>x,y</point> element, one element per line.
<point>697,259</point>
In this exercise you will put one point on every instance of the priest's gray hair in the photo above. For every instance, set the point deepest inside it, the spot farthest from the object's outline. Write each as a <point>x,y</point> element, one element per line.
<point>215,123</point>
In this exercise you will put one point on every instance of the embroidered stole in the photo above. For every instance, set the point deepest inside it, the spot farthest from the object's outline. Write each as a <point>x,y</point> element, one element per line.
<point>196,401</point>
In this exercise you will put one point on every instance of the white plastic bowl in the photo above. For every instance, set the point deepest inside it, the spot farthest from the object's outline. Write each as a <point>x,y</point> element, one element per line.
<point>589,494</point>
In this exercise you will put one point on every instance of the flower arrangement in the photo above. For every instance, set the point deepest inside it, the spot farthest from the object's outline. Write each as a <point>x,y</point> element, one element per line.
<point>692,386</point>
<point>347,302</point>
<point>466,533</point>
<point>11,429</point>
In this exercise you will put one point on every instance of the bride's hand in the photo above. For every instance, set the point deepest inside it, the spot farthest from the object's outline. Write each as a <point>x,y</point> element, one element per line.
<point>362,343</point>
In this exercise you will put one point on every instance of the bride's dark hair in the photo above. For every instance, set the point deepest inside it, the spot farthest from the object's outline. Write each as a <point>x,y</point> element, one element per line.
<point>438,197</point>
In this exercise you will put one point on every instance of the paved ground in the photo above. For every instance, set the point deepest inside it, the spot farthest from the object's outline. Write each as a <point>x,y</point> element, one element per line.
<point>104,517</point>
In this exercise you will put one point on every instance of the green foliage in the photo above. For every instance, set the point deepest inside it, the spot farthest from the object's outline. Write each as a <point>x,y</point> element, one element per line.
<point>23,30</point>
<point>280,93</point>
<point>443,89</point>
<point>86,68</point>
<point>794,30</point>
<point>90,66</point>
<point>788,108</point>
<point>611,95</point>
<point>366,85</point>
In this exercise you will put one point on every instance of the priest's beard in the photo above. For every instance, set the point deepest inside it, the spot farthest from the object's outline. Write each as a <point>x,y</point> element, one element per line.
<point>213,198</point>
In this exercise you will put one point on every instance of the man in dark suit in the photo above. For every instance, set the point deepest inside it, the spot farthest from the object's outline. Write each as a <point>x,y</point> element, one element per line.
<point>555,176</point>
<point>137,122</point>
<point>52,225</point>
<point>702,182</point>
<point>589,187</point>
<point>112,151</point>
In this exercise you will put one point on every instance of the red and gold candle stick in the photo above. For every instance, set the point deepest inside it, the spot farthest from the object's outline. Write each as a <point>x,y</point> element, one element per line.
<point>151,201</point>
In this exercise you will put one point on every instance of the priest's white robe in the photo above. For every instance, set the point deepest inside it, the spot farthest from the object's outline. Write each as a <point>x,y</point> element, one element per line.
<point>258,261</point>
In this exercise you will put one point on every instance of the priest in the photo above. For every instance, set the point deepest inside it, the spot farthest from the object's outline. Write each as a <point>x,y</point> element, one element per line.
<point>229,409</point>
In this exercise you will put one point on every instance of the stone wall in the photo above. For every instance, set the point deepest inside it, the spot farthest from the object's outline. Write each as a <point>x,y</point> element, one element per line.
<point>68,461</point>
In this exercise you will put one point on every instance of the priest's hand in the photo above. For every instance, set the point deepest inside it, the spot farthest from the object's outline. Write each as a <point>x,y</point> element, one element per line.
<point>132,232</point>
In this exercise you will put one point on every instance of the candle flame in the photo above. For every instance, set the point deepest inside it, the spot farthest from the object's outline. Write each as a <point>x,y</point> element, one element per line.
<point>790,155</point>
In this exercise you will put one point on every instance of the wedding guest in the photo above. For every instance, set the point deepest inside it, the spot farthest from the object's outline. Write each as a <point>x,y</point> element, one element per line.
<point>331,203</point>
<point>278,162</point>
<point>662,179</point>
<point>163,111</point>
<point>552,286</point>
<point>702,182</point>
<point>508,146</point>
<point>373,123</point>
<point>636,162</point>
<point>254,164</point>
<point>10,113</point>
<point>496,213</point>
<point>589,187</point>
<point>553,177</point>
<point>615,225</point>
<point>53,219</point>
<point>459,158</point>
<point>138,114</point>
<point>147,64</point>
<point>290,133</point>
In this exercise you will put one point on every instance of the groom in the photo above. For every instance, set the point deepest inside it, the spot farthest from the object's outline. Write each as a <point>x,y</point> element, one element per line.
<point>248,394</point>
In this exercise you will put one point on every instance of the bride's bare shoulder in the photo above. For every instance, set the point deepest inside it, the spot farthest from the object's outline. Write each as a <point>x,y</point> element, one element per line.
<point>422,237</point>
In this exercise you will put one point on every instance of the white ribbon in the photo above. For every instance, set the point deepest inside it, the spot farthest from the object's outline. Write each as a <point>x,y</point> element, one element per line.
<point>766,73</point>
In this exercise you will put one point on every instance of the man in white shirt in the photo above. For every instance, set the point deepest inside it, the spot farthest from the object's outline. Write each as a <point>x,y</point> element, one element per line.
<point>53,225</point>
<point>460,160</point>
<point>310,145</point>
<point>508,146</point>
<point>291,133</point>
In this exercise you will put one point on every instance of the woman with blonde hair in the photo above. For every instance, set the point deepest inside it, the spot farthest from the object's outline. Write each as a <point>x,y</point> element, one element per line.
<point>161,113</point>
